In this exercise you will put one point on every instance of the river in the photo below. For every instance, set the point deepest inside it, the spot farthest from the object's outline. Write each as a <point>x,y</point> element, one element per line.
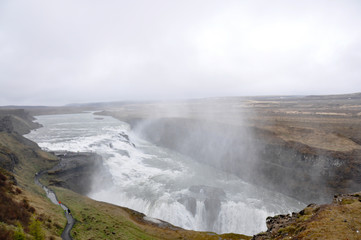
<point>161,183</point>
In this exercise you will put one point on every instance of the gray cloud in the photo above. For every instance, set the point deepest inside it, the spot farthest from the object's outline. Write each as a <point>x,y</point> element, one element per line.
<point>57,52</point>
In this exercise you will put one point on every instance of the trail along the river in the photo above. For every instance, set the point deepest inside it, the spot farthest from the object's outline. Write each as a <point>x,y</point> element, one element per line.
<point>65,235</point>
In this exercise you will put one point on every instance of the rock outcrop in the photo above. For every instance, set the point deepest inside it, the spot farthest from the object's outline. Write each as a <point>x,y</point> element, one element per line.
<point>8,159</point>
<point>80,172</point>
<point>339,220</point>
<point>16,120</point>
<point>14,123</point>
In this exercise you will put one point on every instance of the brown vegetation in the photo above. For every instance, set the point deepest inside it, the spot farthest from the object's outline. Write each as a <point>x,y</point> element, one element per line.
<point>21,201</point>
<point>12,211</point>
<point>338,220</point>
<point>16,215</point>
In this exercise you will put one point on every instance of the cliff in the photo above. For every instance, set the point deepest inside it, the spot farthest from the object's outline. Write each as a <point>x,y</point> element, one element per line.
<point>305,147</point>
<point>16,120</point>
<point>258,156</point>
<point>79,172</point>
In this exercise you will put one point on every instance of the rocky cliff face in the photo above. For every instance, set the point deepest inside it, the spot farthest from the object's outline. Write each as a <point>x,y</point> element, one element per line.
<point>13,123</point>
<point>257,156</point>
<point>6,124</point>
<point>16,120</point>
<point>79,172</point>
<point>8,159</point>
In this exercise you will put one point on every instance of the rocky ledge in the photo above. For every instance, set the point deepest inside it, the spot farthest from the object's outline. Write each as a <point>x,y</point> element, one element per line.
<point>79,172</point>
<point>339,220</point>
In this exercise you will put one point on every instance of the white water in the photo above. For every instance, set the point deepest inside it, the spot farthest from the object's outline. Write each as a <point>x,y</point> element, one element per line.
<point>160,183</point>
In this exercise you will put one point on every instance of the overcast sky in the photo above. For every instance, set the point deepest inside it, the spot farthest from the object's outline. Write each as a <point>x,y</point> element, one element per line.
<point>59,52</point>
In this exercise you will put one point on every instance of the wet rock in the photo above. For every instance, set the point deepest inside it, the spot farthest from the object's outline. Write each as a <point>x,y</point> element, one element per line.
<point>190,203</point>
<point>211,197</point>
<point>80,172</point>
<point>123,153</point>
<point>125,138</point>
<point>207,191</point>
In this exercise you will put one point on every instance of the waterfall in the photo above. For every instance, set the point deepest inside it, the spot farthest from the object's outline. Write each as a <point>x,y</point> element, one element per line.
<point>161,183</point>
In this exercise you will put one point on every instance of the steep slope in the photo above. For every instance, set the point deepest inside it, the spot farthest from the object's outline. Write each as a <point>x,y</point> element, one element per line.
<point>16,120</point>
<point>339,220</point>
<point>29,199</point>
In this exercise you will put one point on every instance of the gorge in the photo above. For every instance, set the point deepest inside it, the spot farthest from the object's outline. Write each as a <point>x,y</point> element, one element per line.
<point>161,183</point>
<point>224,168</point>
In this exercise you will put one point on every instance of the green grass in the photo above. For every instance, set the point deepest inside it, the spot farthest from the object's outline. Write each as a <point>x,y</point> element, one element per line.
<point>99,220</point>
<point>31,160</point>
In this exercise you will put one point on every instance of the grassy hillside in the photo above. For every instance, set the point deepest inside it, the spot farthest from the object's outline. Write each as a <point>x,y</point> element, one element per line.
<point>101,220</point>
<point>23,202</point>
<point>339,220</point>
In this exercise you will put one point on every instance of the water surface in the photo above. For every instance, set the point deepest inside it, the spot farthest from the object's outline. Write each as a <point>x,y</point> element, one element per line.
<point>162,183</point>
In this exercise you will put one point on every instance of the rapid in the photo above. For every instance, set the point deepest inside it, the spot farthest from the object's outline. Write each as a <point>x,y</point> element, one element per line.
<point>161,183</point>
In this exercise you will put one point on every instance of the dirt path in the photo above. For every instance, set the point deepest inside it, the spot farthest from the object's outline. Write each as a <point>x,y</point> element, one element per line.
<point>71,221</point>
<point>65,235</point>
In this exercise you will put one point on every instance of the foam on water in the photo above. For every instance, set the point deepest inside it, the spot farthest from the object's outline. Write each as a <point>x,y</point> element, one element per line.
<point>160,183</point>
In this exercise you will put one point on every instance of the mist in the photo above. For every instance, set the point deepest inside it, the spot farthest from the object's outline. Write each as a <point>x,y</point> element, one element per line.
<point>227,134</point>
